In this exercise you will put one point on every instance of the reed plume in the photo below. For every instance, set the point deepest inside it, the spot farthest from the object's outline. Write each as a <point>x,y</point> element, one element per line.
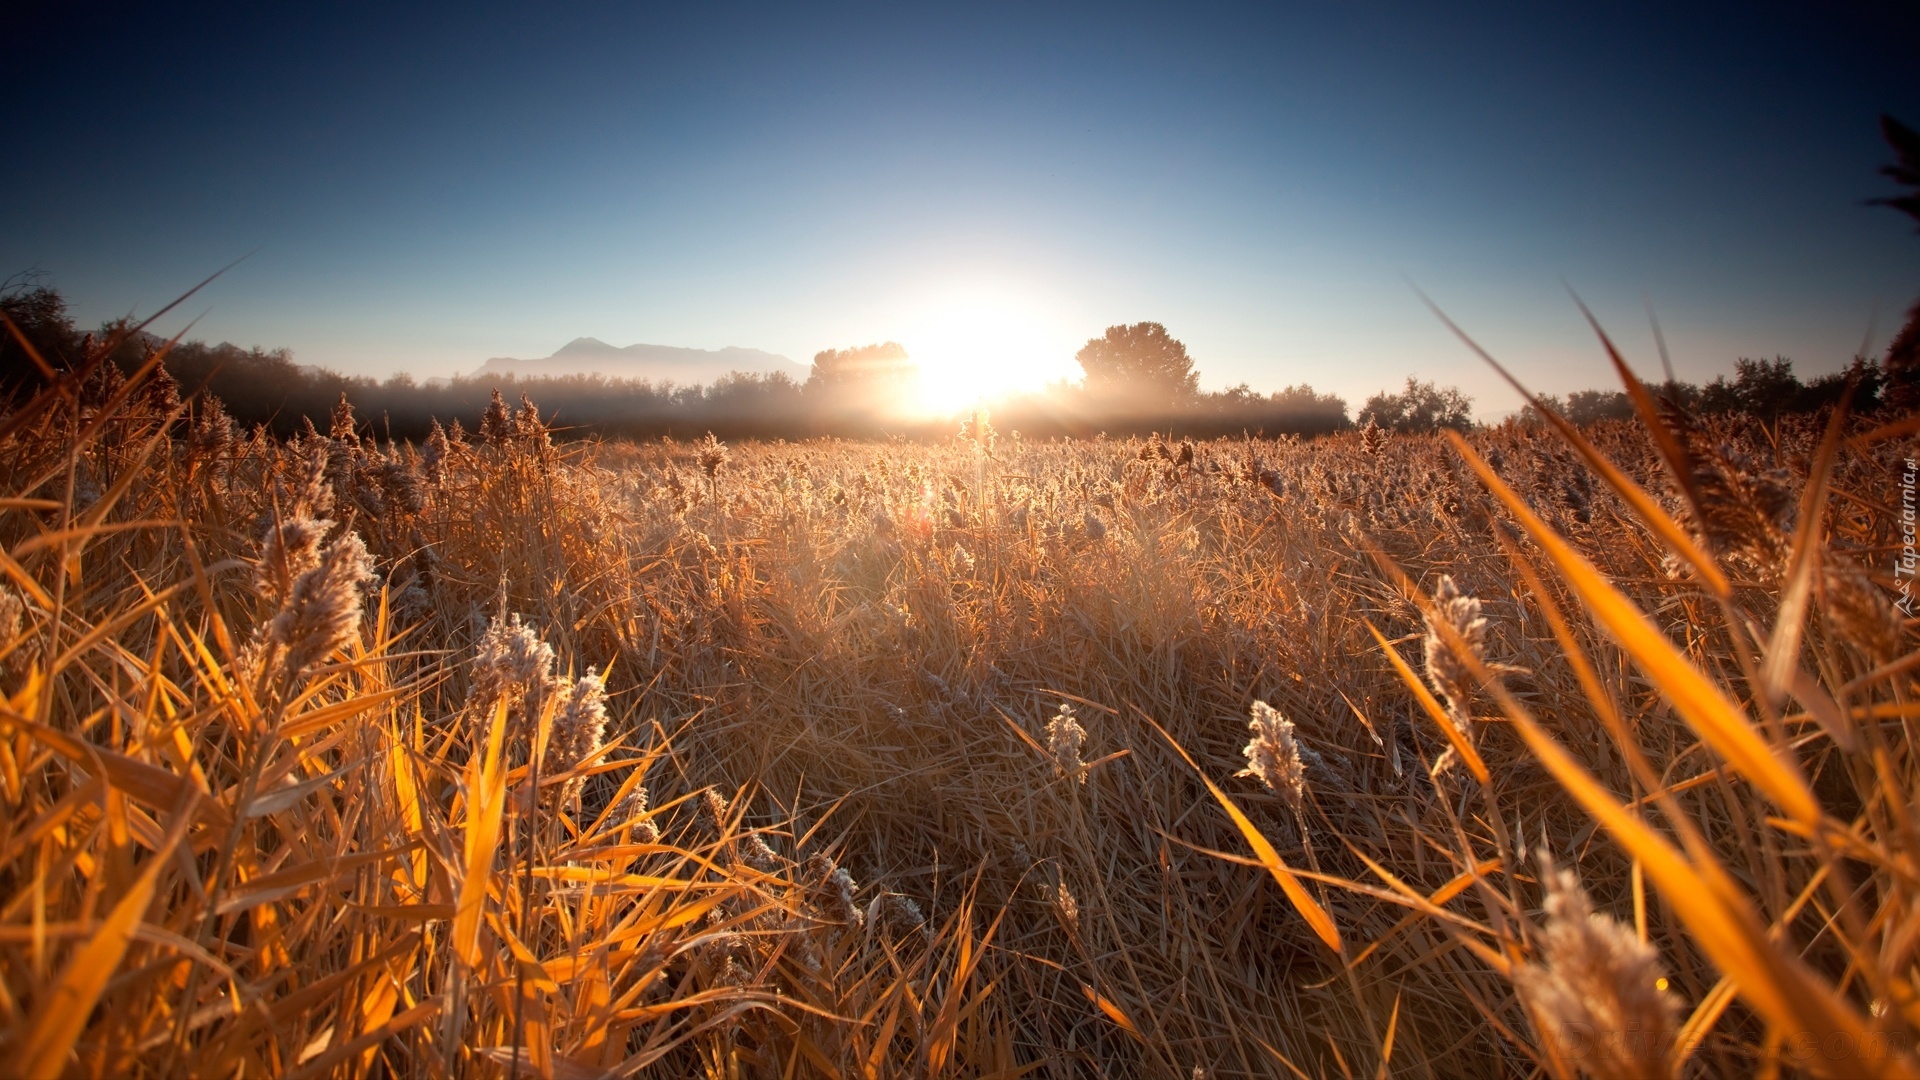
<point>1065,737</point>
<point>1597,993</point>
<point>1273,756</point>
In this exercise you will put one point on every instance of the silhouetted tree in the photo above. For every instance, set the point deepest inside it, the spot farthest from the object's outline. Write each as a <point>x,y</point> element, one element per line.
<point>1140,361</point>
<point>1765,388</point>
<point>1420,407</point>
<point>1587,406</point>
<point>1903,353</point>
<point>39,312</point>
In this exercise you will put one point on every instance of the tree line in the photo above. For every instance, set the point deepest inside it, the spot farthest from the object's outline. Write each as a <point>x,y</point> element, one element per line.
<point>1138,378</point>
<point>1142,381</point>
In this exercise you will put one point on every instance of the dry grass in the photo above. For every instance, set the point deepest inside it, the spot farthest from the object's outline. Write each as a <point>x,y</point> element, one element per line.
<point>288,789</point>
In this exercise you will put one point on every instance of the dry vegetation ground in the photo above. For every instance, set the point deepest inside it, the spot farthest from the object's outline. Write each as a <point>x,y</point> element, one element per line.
<point>495,755</point>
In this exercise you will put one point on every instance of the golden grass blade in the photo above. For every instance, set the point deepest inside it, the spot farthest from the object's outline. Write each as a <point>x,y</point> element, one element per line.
<point>1386,1046</point>
<point>1782,661</point>
<point>1317,918</point>
<point>322,1064</point>
<point>1703,705</point>
<point>1469,756</point>
<point>486,792</point>
<point>56,1025</point>
<point>1777,984</point>
<point>28,584</point>
<point>1704,1015</point>
<point>328,715</point>
<point>116,624</point>
<point>131,473</point>
<point>1443,895</point>
<point>1645,508</point>
<point>1113,1012</point>
<point>1401,893</point>
<point>1673,452</point>
<point>140,780</point>
<point>281,798</point>
<point>268,888</point>
<point>1892,430</point>
<point>58,537</point>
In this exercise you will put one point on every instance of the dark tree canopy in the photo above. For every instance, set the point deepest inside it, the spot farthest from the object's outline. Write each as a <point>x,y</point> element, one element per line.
<point>39,313</point>
<point>1420,407</point>
<point>1140,360</point>
<point>1903,353</point>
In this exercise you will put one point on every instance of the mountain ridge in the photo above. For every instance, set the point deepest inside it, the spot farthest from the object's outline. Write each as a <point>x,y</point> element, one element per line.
<point>655,363</point>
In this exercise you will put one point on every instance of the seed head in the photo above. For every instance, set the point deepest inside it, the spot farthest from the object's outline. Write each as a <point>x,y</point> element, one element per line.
<point>1273,755</point>
<point>322,610</point>
<point>632,813</point>
<point>212,434</point>
<point>978,430</point>
<point>1068,907</point>
<point>1598,983</point>
<point>1373,438</point>
<point>312,492</point>
<point>511,664</point>
<point>1860,610</point>
<point>162,391</point>
<point>496,424</point>
<point>895,915</point>
<point>13,618</point>
<point>759,855</point>
<point>831,888</point>
<point>433,453</point>
<point>289,549</point>
<point>1065,737</point>
<point>579,723</point>
<point>528,427</point>
<point>1445,670</point>
<point>398,485</point>
<point>713,455</point>
<point>1096,529</point>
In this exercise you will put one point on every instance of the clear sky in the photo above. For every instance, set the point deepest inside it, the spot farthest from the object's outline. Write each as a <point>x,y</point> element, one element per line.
<point>423,188</point>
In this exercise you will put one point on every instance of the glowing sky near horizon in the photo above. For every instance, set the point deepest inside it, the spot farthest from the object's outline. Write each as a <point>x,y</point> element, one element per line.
<point>423,188</point>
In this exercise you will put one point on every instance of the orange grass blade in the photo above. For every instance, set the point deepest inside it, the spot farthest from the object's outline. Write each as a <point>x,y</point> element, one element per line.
<point>324,1063</point>
<point>1777,984</point>
<point>1672,451</point>
<point>1783,649</point>
<point>1468,755</point>
<point>1444,894</point>
<point>1386,1046</point>
<point>147,783</point>
<point>1645,508</point>
<point>1113,1011</point>
<point>1316,916</point>
<point>487,789</point>
<point>1703,705</point>
<point>63,1014</point>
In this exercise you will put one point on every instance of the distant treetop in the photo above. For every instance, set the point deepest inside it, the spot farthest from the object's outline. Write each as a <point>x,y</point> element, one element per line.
<point>861,365</point>
<point>1421,407</point>
<point>1141,360</point>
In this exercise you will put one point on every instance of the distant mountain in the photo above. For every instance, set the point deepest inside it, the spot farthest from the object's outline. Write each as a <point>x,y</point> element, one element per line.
<point>655,363</point>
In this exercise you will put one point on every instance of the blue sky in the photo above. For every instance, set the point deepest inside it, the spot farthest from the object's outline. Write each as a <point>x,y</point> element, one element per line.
<point>423,188</point>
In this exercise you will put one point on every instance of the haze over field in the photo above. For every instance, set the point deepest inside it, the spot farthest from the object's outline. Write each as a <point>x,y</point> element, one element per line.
<point>654,363</point>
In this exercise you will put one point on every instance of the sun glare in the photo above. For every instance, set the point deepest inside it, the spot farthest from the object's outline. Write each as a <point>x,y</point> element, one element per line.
<point>981,344</point>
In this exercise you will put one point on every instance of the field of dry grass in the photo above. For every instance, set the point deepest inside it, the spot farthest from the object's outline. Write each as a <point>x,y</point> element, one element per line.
<point>1529,753</point>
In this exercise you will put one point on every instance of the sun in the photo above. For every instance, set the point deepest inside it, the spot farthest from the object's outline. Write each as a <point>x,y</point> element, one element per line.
<point>981,343</point>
